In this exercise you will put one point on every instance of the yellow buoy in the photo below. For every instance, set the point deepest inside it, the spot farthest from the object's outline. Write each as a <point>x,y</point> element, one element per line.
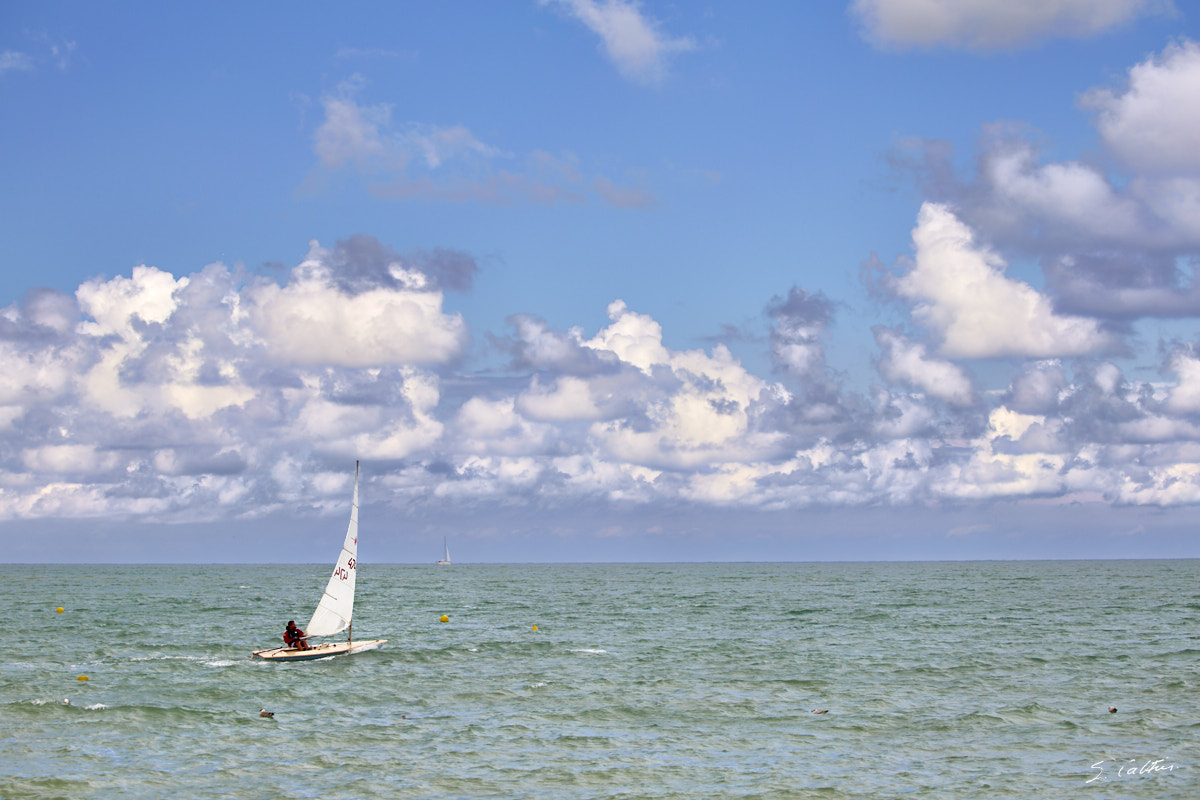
<point>58,610</point>
<point>535,627</point>
<point>82,678</point>
<point>445,618</point>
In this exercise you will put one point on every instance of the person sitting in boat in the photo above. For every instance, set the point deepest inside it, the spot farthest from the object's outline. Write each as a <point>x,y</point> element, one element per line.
<point>294,637</point>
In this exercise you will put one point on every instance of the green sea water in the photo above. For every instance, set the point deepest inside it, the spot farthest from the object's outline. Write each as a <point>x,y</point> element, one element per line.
<point>941,680</point>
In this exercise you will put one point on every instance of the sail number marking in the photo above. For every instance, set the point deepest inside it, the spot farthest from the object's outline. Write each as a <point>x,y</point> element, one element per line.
<point>344,572</point>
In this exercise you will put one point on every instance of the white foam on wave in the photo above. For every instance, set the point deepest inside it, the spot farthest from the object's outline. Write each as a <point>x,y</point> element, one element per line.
<point>96,707</point>
<point>206,660</point>
<point>538,685</point>
<point>591,652</point>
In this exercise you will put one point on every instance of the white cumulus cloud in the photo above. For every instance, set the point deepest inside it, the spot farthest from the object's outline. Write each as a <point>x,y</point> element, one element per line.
<point>311,321</point>
<point>1184,397</point>
<point>960,292</point>
<point>907,362</point>
<point>1154,125</point>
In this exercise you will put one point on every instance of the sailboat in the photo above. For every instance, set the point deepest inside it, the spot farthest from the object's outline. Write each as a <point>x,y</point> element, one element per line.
<point>336,607</point>
<point>445,562</point>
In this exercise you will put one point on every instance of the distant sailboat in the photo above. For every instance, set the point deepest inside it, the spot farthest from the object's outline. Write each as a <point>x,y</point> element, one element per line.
<point>334,611</point>
<point>445,562</point>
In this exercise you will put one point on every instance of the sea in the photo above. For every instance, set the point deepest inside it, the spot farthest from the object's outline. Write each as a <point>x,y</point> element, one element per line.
<point>747,680</point>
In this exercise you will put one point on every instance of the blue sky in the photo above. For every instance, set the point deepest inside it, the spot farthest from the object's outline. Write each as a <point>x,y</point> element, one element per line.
<point>581,280</point>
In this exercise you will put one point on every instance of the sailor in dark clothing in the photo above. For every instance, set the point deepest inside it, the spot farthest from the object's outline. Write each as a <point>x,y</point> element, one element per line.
<point>294,637</point>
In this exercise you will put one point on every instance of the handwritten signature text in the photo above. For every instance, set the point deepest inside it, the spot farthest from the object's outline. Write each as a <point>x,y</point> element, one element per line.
<point>1132,767</point>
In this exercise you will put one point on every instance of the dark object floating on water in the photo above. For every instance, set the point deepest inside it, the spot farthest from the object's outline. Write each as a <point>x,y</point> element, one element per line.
<point>822,711</point>
<point>262,712</point>
<point>1112,709</point>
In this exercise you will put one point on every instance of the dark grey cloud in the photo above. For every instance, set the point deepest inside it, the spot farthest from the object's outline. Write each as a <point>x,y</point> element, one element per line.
<point>822,413</point>
<point>361,262</point>
<point>801,309</point>
<point>357,387</point>
<point>800,326</point>
<point>534,345</point>
<point>43,315</point>
<point>731,333</point>
<point>1038,388</point>
<point>207,460</point>
<point>1094,406</point>
<point>1124,285</point>
<point>449,269</point>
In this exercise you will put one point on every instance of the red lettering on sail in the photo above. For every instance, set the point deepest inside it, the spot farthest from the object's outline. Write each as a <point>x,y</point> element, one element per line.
<point>350,563</point>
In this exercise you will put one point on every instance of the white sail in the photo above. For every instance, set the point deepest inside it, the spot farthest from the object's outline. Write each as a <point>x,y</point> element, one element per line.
<point>336,608</point>
<point>445,560</point>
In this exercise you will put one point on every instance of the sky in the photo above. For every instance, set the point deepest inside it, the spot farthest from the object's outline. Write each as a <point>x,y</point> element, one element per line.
<point>600,280</point>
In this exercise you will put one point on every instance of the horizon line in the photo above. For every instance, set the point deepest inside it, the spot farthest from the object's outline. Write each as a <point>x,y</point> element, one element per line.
<point>589,563</point>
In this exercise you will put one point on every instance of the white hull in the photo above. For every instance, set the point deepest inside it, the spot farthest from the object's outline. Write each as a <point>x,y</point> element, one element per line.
<point>326,650</point>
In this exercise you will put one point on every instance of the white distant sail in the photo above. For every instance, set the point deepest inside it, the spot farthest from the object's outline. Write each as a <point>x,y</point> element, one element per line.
<point>336,608</point>
<point>445,562</point>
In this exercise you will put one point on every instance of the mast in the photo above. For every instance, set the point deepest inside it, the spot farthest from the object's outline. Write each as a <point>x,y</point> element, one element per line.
<point>350,622</point>
<point>336,607</point>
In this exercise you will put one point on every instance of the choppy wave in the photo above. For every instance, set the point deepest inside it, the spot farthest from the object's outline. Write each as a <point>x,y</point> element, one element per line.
<point>45,788</point>
<point>939,681</point>
<point>65,702</point>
